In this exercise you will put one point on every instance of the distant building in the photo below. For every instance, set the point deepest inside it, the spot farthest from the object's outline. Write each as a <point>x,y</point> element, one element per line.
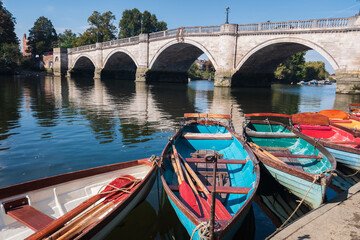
<point>26,47</point>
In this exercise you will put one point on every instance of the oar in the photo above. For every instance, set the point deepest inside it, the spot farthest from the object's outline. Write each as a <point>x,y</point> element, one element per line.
<point>184,189</point>
<point>266,153</point>
<point>220,211</point>
<point>204,204</point>
<point>105,206</point>
<point>68,227</point>
<point>61,221</point>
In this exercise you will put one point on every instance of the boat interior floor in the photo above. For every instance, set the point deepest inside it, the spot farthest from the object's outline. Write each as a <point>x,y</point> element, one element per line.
<point>205,172</point>
<point>293,162</point>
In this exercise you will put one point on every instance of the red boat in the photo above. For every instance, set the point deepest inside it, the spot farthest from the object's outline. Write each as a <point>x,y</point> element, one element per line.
<point>342,143</point>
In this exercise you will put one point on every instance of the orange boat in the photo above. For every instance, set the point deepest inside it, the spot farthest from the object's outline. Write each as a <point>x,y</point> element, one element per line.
<point>342,119</point>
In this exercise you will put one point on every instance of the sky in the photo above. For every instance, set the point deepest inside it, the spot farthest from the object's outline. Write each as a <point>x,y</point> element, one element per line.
<point>66,14</point>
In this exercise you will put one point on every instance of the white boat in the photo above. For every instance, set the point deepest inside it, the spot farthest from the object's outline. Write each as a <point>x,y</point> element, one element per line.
<point>85,204</point>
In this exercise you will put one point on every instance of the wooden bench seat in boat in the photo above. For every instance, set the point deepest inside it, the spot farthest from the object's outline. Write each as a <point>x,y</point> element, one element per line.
<point>20,210</point>
<point>293,162</point>
<point>219,161</point>
<point>207,136</point>
<point>219,189</point>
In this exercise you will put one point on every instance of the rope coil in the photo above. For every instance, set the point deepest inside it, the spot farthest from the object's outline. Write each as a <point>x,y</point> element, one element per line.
<point>204,231</point>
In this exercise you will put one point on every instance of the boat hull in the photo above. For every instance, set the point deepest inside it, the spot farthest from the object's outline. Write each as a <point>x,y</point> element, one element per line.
<point>247,174</point>
<point>55,196</point>
<point>278,138</point>
<point>299,186</point>
<point>347,158</point>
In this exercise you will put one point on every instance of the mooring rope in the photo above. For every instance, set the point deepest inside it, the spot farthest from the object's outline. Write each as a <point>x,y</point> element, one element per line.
<point>116,189</point>
<point>204,231</point>
<point>316,177</point>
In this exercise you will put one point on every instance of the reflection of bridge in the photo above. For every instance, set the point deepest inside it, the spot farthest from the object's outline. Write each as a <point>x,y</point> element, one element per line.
<point>239,53</point>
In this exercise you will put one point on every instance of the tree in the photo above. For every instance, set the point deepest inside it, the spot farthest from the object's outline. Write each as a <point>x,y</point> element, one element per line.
<point>133,22</point>
<point>42,36</point>
<point>7,27</point>
<point>101,29</point>
<point>10,52</point>
<point>292,69</point>
<point>315,70</point>
<point>66,39</point>
<point>101,26</point>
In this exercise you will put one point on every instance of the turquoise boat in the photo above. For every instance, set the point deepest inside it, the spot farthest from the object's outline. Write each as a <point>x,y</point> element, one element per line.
<point>237,175</point>
<point>293,159</point>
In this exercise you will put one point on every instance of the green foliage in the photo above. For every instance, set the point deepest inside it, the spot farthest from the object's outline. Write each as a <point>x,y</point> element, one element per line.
<point>194,71</point>
<point>315,70</point>
<point>133,21</point>
<point>295,69</point>
<point>101,26</point>
<point>7,27</point>
<point>292,69</point>
<point>10,52</point>
<point>42,36</point>
<point>101,29</point>
<point>84,39</point>
<point>66,39</point>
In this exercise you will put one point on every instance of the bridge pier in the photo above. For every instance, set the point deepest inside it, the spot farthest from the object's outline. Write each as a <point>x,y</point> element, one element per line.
<point>348,81</point>
<point>223,78</point>
<point>97,73</point>
<point>141,74</point>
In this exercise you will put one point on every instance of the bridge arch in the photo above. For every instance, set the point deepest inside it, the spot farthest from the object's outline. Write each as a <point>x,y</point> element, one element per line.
<point>261,61</point>
<point>189,43</point>
<point>82,57</point>
<point>307,43</point>
<point>119,64</point>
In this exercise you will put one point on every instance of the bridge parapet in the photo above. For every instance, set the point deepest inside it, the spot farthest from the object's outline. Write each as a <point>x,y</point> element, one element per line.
<point>331,23</point>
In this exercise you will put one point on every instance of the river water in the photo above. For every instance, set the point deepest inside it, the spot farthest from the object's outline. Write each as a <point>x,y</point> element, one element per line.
<point>50,126</point>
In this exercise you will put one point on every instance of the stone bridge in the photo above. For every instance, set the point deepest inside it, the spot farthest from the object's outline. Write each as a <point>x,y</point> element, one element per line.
<point>242,54</point>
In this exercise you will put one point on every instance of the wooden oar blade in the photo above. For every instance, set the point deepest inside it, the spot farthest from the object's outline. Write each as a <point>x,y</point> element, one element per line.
<point>188,198</point>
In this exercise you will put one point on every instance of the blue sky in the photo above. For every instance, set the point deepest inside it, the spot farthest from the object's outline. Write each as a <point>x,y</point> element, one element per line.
<point>66,14</point>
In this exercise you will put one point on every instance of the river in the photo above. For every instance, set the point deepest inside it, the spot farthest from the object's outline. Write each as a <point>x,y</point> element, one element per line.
<point>50,126</point>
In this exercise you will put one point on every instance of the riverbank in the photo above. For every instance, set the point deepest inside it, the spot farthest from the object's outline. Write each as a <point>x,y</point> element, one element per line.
<point>337,219</point>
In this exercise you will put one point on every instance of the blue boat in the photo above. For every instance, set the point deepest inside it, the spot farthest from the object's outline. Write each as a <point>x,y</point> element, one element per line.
<point>237,175</point>
<point>294,160</point>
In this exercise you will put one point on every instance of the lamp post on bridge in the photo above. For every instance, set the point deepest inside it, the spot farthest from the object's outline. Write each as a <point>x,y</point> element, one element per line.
<point>227,15</point>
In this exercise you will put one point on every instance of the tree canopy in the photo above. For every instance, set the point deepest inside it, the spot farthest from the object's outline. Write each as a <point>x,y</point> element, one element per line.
<point>66,39</point>
<point>42,36</point>
<point>101,29</point>
<point>7,26</point>
<point>133,22</point>
<point>295,69</point>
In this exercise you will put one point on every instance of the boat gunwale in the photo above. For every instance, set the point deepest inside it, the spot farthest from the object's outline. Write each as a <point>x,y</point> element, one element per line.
<point>77,175</point>
<point>291,170</point>
<point>225,228</point>
<point>21,188</point>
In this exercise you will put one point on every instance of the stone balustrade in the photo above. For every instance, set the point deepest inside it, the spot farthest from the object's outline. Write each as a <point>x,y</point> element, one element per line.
<point>331,23</point>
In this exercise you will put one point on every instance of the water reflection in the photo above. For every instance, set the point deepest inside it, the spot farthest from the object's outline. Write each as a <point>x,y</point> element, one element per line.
<point>50,126</point>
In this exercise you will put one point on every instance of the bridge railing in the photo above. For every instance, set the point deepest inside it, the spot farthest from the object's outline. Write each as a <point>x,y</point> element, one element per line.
<point>304,24</point>
<point>248,28</point>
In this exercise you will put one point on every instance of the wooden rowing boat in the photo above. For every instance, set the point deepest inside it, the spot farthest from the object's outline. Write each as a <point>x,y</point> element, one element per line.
<point>294,160</point>
<point>237,176</point>
<point>341,142</point>
<point>85,204</point>
<point>354,110</point>
<point>343,120</point>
